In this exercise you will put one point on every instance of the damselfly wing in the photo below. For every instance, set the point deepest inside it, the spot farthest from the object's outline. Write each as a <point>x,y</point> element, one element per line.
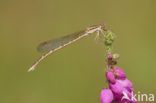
<point>55,43</point>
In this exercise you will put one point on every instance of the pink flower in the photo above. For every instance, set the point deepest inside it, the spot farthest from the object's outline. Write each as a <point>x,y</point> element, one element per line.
<point>106,96</point>
<point>120,88</point>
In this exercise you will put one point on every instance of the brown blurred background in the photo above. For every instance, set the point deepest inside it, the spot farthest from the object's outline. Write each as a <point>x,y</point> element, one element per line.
<point>74,74</point>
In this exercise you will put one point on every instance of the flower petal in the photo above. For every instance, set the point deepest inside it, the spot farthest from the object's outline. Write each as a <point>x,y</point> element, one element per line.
<point>110,76</point>
<point>106,96</point>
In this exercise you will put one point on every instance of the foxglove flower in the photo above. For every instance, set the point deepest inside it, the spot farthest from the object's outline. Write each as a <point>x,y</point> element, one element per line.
<point>120,88</point>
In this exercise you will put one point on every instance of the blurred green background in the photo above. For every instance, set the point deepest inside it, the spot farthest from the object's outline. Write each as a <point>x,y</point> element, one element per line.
<point>74,74</point>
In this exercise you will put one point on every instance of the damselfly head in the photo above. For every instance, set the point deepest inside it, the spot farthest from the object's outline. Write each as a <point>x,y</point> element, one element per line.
<point>103,26</point>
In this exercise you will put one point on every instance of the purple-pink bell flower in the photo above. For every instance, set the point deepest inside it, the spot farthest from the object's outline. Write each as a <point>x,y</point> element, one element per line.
<point>120,88</point>
<point>106,96</point>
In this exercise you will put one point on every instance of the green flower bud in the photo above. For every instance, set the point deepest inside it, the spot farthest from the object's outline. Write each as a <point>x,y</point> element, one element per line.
<point>116,56</point>
<point>109,38</point>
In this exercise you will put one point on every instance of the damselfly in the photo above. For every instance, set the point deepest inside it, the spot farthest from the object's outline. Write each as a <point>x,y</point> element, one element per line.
<point>56,44</point>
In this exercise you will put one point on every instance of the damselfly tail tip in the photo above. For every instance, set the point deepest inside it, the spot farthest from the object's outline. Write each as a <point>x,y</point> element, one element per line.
<point>31,68</point>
